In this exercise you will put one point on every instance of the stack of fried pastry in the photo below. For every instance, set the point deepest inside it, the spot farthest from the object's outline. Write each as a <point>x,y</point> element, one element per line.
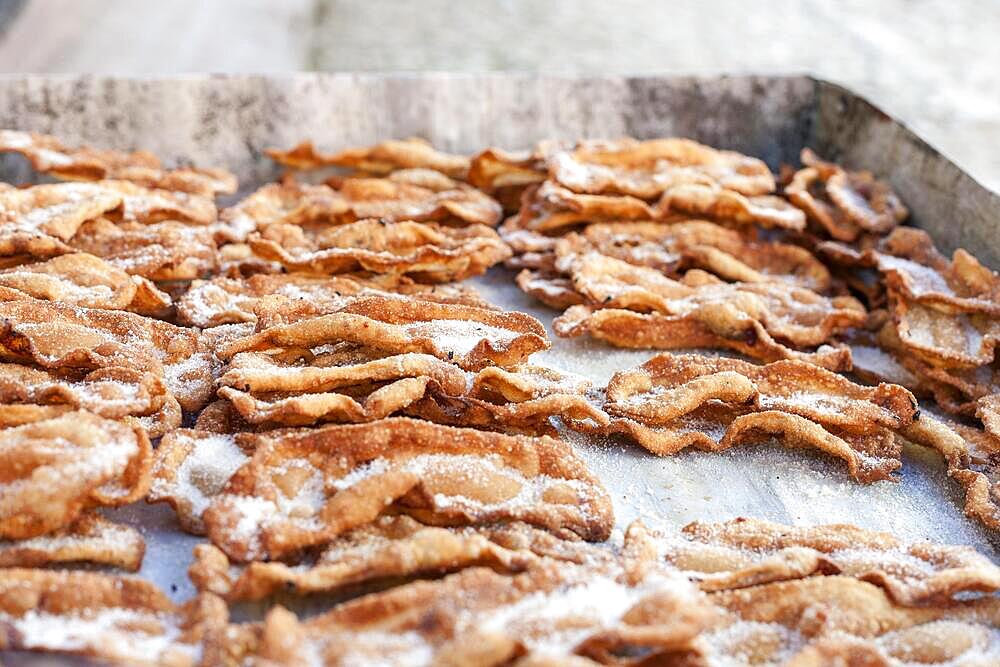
<point>670,244</point>
<point>305,380</point>
<point>743,592</point>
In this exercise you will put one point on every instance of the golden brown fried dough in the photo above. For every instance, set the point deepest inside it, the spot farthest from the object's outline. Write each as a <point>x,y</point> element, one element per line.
<point>647,169</point>
<point>470,337</point>
<point>50,156</point>
<point>717,203</point>
<point>697,244</point>
<point>191,467</point>
<point>749,552</point>
<point>57,468</point>
<point>551,612</point>
<point>54,211</point>
<point>840,620</point>
<point>359,199</point>
<point>426,251</point>
<point>800,317</point>
<point>89,539</point>
<point>119,620</point>
<point>671,385</point>
<point>112,393</point>
<point>162,251</point>
<point>844,203</point>
<point>302,488</point>
<point>80,279</point>
<point>218,301</point>
<point>392,546</point>
<point>296,392</point>
<point>381,159</point>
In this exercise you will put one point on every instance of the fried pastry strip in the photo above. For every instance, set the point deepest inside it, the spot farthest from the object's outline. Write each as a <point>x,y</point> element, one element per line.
<point>749,552</point>
<point>648,169</point>
<point>57,336</point>
<point>550,613</point>
<point>380,159</point>
<point>55,469</point>
<point>971,455</point>
<point>112,393</point>
<point>119,620</point>
<point>697,244</point>
<point>218,301</point>
<point>427,251</point>
<point>911,264</point>
<point>841,620</point>
<point>844,203</point>
<point>671,385</point>
<point>303,488</point>
<point>392,199</point>
<point>627,328</point>
<point>49,155</point>
<point>54,211</point>
<point>798,316</point>
<point>191,467</point>
<point>263,389</point>
<point>163,251</point>
<point>83,280</point>
<point>89,539</point>
<point>470,337</point>
<point>392,546</point>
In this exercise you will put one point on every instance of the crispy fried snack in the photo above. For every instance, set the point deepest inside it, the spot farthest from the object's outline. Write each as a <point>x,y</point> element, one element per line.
<point>303,488</point>
<point>381,159</point>
<point>944,340</point>
<point>89,539</point>
<point>118,620</point>
<point>718,203</point>
<point>426,251</point>
<point>80,279</point>
<point>54,470</point>
<point>219,301</point>
<point>555,613</point>
<point>988,411</point>
<point>648,169</point>
<point>971,455</point>
<point>911,265</point>
<point>758,319</point>
<point>162,251</point>
<point>473,338</point>
<point>191,467</point>
<point>149,205</point>
<point>729,254</point>
<point>392,546</point>
<point>626,328</point>
<point>53,212</point>
<point>669,386</point>
<point>112,393</point>
<point>60,337</point>
<point>551,209</point>
<point>50,156</point>
<point>844,203</point>
<point>675,402</point>
<point>840,620</point>
<point>305,389</point>
<point>550,288</point>
<point>494,170</point>
<point>359,199</point>
<point>748,552</point>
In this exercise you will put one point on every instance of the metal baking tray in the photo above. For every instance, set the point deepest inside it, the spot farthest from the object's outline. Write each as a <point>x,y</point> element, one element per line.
<point>229,120</point>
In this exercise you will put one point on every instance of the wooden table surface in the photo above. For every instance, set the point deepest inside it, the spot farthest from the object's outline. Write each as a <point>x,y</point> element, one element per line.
<point>931,63</point>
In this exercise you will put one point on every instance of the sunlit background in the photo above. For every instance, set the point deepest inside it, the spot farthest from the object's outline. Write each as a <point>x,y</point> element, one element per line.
<point>936,65</point>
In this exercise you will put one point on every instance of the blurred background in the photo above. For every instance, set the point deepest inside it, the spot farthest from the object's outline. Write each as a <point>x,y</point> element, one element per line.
<point>934,64</point>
